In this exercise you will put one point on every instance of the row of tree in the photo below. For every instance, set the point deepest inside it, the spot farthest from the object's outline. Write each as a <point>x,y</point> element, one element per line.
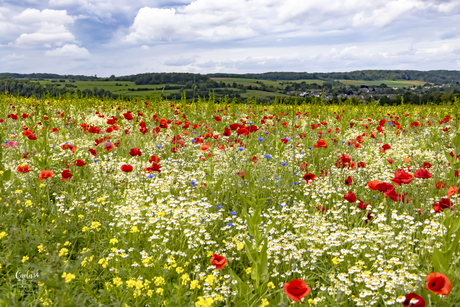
<point>432,76</point>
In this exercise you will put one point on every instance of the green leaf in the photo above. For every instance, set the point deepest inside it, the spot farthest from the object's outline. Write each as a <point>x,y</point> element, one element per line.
<point>242,287</point>
<point>456,140</point>
<point>7,175</point>
<point>218,184</point>
<point>264,262</point>
<point>439,262</point>
<point>252,254</point>
<point>449,157</point>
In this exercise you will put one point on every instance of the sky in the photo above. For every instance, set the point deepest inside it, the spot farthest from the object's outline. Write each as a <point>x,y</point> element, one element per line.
<point>125,37</point>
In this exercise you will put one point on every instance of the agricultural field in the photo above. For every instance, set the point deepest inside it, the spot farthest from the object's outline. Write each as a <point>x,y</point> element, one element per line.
<point>166,203</point>
<point>389,83</point>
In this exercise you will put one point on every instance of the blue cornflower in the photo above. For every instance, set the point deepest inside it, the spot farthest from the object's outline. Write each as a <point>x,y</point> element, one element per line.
<point>220,207</point>
<point>193,183</point>
<point>151,176</point>
<point>267,156</point>
<point>296,183</point>
<point>240,148</point>
<point>231,224</point>
<point>283,163</point>
<point>159,146</point>
<point>232,213</point>
<point>95,160</point>
<point>261,139</point>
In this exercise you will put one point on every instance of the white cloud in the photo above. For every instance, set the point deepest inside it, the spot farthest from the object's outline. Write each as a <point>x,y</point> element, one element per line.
<point>13,58</point>
<point>69,51</point>
<point>41,28</point>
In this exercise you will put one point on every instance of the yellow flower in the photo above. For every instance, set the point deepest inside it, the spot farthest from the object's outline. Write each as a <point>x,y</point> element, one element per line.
<point>160,291</point>
<point>195,285</point>
<point>264,302</point>
<point>159,281</point>
<point>271,285</point>
<point>3,234</point>
<point>84,250</point>
<point>179,270</point>
<point>134,229</point>
<point>248,271</point>
<point>204,302</point>
<point>240,245</point>
<point>335,260</point>
<point>25,258</point>
<point>150,293</point>
<point>68,277</point>
<point>41,248</point>
<point>103,262</point>
<point>63,252</point>
<point>67,243</point>
<point>18,191</point>
<point>117,281</point>
<point>28,203</point>
<point>185,279</point>
<point>96,226</point>
<point>113,241</point>
<point>210,279</point>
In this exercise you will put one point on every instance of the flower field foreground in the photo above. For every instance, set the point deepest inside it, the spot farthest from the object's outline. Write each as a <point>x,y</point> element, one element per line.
<point>159,203</point>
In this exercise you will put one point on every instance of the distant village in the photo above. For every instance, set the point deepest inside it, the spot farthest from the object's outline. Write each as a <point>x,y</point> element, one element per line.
<point>366,92</point>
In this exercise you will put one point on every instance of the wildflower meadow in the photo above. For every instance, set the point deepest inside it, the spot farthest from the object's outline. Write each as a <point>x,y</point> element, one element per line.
<point>215,203</point>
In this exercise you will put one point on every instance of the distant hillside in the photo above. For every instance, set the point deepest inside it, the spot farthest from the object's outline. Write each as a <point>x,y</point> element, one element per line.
<point>432,76</point>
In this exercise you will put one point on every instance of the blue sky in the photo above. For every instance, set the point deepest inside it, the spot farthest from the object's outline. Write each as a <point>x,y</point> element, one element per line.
<point>123,37</point>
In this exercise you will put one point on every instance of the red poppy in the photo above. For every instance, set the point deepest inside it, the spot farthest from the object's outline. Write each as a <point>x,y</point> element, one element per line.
<point>413,300</point>
<point>155,159</point>
<point>23,169</point>
<point>254,159</point>
<point>351,197</point>
<point>66,175</point>
<point>296,290</point>
<point>426,165</point>
<point>390,161</point>
<point>79,162</point>
<point>233,126</point>
<point>444,203</point>
<point>135,152</point>
<point>349,180</point>
<point>25,155</point>
<point>361,164</point>
<point>241,174</point>
<point>438,283</point>
<point>284,140</point>
<point>422,173</point>
<point>439,185</point>
<point>217,118</point>
<point>126,168</point>
<point>45,174</point>
<point>321,208</point>
<point>128,116</point>
<point>361,205</point>
<point>219,261</point>
<point>373,184</point>
<point>385,147</point>
<point>320,143</point>
<point>108,146</point>
<point>32,137</point>
<point>242,131</point>
<point>227,132</point>
<point>402,176</point>
<point>309,177</point>
<point>92,151</point>
<point>451,191</point>
<point>55,130</point>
